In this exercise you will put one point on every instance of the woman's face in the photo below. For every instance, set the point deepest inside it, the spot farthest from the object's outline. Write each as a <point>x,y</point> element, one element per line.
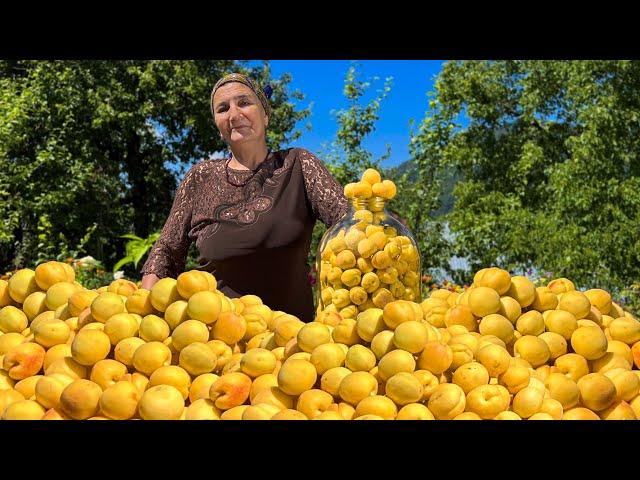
<point>238,114</point>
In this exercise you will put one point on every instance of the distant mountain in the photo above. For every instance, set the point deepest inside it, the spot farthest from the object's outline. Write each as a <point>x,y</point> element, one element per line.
<point>405,167</point>
<point>449,180</point>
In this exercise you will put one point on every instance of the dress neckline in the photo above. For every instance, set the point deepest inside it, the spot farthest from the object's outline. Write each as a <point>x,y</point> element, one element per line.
<point>267,159</point>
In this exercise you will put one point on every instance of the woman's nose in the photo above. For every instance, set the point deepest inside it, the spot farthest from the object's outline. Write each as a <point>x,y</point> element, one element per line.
<point>234,112</point>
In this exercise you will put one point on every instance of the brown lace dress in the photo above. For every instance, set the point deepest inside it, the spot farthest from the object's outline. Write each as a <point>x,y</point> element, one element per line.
<point>254,238</point>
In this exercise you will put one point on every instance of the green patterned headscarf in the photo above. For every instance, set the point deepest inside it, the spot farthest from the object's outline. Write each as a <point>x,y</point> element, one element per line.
<point>238,77</point>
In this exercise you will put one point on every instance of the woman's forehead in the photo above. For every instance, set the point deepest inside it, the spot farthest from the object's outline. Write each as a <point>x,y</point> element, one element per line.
<point>230,90</point>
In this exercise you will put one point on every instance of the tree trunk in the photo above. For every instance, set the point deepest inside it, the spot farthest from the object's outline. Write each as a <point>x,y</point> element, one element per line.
<point>136,168</point>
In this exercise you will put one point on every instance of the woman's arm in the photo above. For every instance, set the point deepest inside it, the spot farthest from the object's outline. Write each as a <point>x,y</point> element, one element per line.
<point>149,280</point>
<point>168,255</point>
<point>325,194</point>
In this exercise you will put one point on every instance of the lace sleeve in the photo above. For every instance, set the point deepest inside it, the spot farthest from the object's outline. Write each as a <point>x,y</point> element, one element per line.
<point>168,255</point>
<point>325,194</point>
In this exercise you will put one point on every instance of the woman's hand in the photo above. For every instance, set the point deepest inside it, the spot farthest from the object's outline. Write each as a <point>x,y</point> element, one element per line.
<point>148,281</point>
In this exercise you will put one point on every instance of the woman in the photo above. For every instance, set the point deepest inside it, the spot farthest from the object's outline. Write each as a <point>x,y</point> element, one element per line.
<point>251,214</point>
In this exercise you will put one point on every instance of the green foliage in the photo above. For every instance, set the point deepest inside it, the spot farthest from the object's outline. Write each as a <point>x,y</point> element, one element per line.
<point>543,278</point>
<point>104,142</point>
<point>548,164</point>
<point>136,249</point>
<point>91,273</point>
<point>60,252</point>
<point>346,159</point>
<point>630,299</point>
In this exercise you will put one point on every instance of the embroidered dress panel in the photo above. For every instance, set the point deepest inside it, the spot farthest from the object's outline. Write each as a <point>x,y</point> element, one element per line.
<point>253,231</point>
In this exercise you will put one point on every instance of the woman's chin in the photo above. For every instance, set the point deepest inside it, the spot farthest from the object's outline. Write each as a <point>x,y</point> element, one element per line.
<point>238,138</point>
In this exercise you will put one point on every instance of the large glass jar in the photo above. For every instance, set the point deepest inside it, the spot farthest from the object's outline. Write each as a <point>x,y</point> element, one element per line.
<point>366,260</point>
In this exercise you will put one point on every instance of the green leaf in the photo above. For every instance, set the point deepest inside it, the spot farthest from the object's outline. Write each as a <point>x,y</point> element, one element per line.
<point>122,262</point>
<point>133,246</point>
<point>153,238</point>
<point>139,254</point>
<point>132,237</point>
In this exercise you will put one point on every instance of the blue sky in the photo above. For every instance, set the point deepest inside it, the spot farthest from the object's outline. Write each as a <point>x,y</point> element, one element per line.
<point>322,81</point>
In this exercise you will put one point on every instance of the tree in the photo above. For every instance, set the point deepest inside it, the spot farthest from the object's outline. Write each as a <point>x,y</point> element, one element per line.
<point>98,145</point>
<point>550,166</point>
<point>419,201</point>
<point>346,158</point>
